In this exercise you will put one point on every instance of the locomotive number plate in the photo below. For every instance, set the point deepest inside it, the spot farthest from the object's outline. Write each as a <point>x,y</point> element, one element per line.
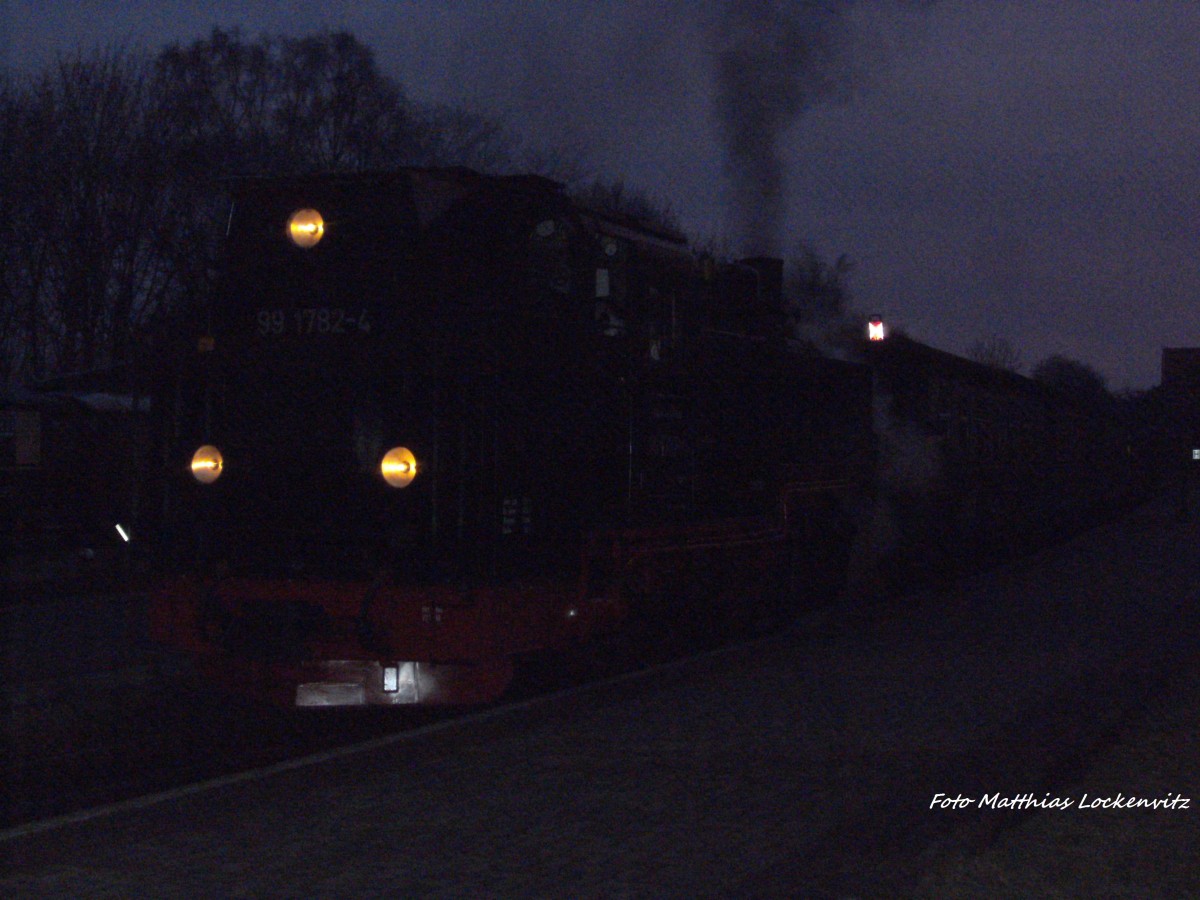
<point>313,320</point>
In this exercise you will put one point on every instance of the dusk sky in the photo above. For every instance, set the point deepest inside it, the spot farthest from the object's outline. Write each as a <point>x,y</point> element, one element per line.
<point>1023,168</point>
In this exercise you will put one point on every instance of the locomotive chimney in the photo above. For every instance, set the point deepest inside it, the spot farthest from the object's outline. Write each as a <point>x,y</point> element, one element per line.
<point>770,280</point>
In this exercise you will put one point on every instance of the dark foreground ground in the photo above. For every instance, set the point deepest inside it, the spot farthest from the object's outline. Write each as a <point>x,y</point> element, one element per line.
<point>803,766</point>
<point>1134,853</point>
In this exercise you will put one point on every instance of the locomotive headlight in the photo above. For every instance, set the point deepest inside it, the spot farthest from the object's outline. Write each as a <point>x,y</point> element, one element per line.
<point>207,464</point>
<point>306,228</point>
<point>399,467</point>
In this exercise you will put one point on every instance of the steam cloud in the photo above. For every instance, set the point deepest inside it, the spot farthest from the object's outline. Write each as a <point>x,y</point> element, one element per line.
<point>773,61</point>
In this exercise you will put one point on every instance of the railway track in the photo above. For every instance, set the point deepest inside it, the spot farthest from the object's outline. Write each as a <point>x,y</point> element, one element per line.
<point>163,735</point>
<point>80,743</point>
<point>71,752</point>
<point>80,747</point>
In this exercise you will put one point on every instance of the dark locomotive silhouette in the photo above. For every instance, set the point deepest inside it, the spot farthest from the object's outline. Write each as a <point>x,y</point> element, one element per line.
<point>443,420</point>
<point>440,420</point>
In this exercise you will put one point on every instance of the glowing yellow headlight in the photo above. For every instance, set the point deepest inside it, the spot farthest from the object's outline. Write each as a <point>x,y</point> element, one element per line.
<point>399,467</point>
<point>207,464</point>
<point>306,228</point>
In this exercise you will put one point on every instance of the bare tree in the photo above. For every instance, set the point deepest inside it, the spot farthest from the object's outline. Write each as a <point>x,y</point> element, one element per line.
<point>24,265</point>
<point>455,135</point>
<point>227,106</point>
<point>20,271</point>
<point>617,198</point>
<point>996,352</point>
<point>1073,379</point>
<point>216,100</point>
<point>81,262</point>
<point>335,109</point>
<point>815,289</point>
<point>282,105</point>
<point>112,164</point>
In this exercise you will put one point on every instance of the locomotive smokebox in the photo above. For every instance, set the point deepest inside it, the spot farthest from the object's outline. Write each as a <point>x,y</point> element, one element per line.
<point>770,279</point>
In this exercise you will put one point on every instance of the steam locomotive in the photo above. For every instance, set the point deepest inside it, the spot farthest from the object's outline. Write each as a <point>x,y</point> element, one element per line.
<point>439,420</point>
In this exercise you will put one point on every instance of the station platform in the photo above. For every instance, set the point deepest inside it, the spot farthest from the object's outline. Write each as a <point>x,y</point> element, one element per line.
<point>805,765</point>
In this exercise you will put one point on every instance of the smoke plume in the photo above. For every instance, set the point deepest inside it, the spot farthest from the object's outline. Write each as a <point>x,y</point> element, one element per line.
<point>773,61</point>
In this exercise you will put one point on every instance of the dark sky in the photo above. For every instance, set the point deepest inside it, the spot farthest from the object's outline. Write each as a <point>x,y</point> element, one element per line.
<point>1026,168</point>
